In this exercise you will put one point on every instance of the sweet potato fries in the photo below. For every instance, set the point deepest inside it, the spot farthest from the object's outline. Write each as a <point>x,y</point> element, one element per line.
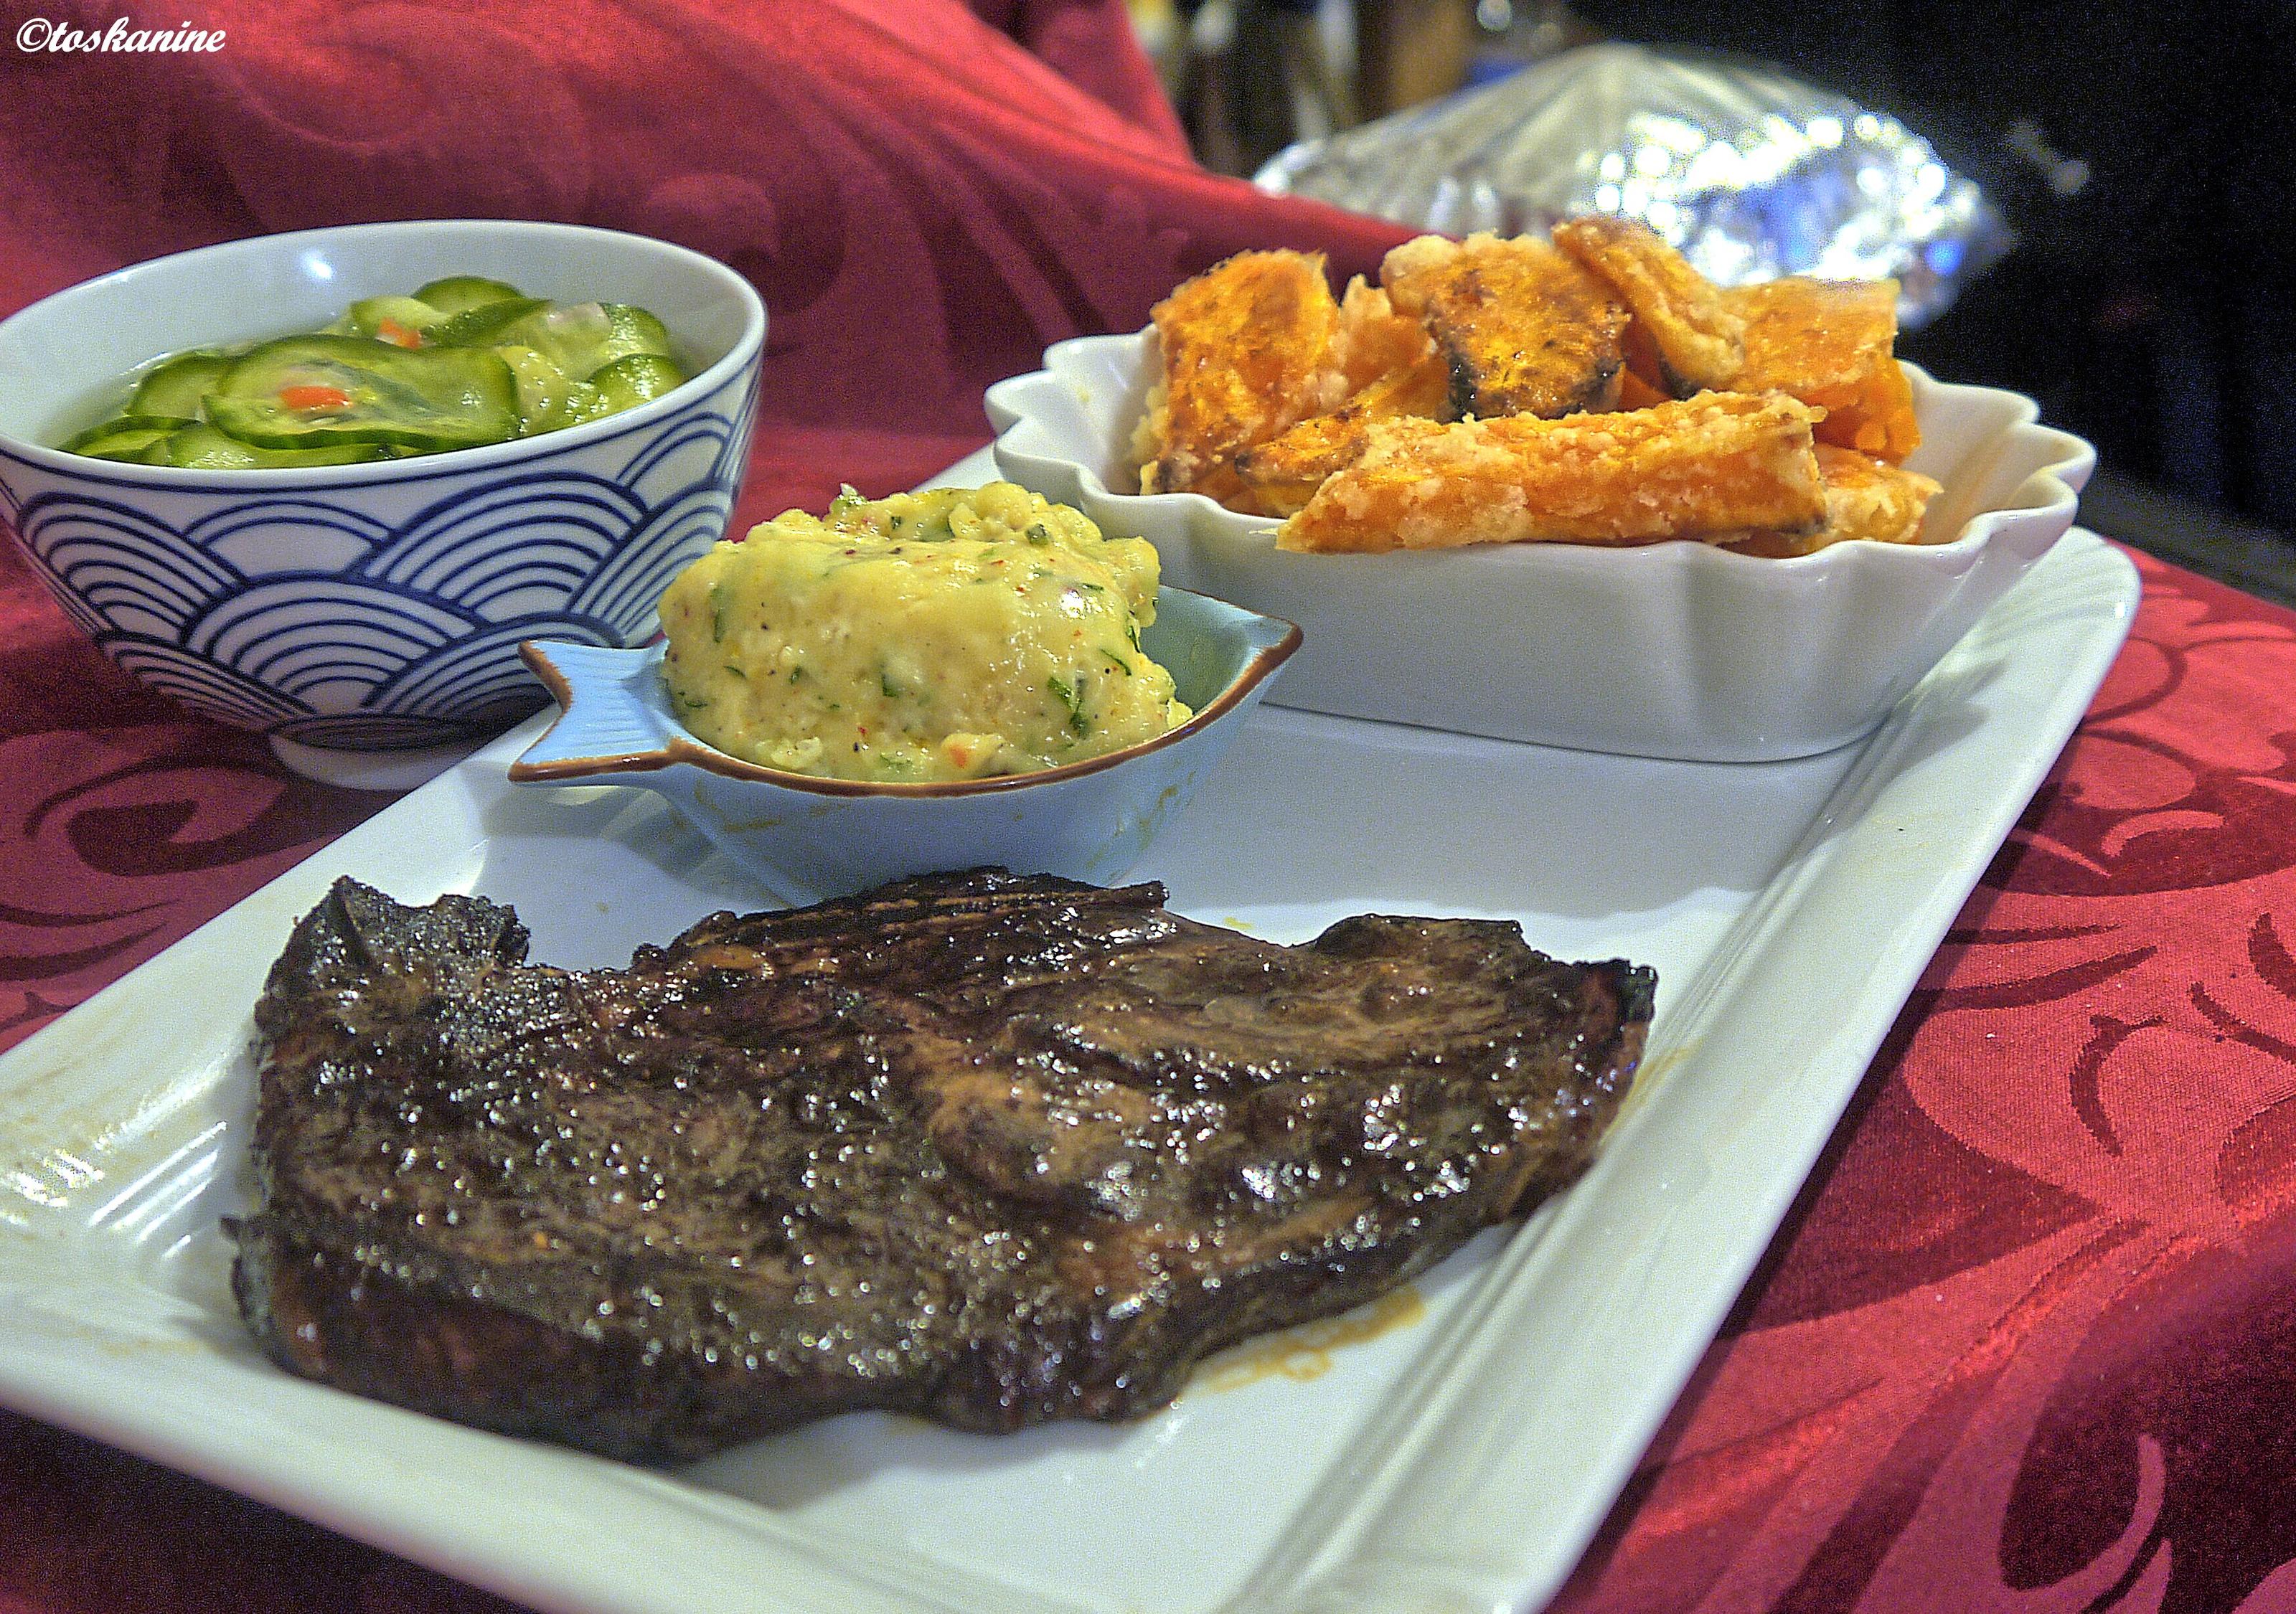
<point>1596,390</point>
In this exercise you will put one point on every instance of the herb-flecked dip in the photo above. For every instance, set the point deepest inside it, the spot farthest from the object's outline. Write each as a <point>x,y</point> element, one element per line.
<point>955,634</point>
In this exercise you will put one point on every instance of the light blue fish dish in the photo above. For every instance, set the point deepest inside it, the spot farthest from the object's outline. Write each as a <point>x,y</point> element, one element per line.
<point>807,839</point>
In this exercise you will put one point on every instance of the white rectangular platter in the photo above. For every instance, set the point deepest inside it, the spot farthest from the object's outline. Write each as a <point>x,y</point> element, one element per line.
<point>1452,1448</point>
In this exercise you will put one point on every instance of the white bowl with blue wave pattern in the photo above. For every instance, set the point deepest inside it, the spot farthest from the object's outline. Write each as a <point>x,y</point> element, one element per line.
<point>376,606</point>
<point>806,838</point>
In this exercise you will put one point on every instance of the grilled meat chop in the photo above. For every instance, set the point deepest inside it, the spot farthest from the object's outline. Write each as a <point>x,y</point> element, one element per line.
<point>987,1148</point>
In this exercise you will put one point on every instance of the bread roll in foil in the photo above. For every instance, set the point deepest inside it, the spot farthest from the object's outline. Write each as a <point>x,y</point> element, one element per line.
<point>1752,173</point>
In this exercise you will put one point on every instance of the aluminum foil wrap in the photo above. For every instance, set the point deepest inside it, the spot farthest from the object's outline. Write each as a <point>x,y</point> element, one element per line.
<point>1752,173</point>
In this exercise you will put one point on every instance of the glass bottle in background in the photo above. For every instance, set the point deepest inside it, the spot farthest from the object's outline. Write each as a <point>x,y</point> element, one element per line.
<point>1250,77</point>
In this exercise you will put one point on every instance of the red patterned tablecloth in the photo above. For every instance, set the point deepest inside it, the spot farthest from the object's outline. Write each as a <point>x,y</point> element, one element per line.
<point>2028,1340</point>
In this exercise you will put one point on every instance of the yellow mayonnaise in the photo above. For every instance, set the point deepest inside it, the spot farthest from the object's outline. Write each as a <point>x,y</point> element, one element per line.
<point>956,633</point>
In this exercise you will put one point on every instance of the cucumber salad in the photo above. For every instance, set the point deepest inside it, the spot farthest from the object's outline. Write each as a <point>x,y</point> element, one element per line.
<point>462,362</point>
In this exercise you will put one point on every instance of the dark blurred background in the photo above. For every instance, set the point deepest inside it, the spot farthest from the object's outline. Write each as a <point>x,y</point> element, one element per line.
<point>2136,151</point>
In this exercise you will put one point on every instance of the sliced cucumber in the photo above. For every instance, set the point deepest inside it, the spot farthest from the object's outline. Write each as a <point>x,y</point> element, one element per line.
<point>132,438</point>
<point>366,317</point>
<point>584,402</point>
<point>116,424</point>
<point>634,331</point>
<point>306,391</point>
<point>487,326</point>
<point>627,382</point>
<point>490,363</point>
<point>572,336</point>
<point>457,293</point>
<point>172,389</point>
<point>202,448</point>
<point>594,335</point>
<point>545,395</point>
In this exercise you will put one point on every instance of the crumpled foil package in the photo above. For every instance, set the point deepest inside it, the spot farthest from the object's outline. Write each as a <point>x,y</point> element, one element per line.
<point>1749,172</point>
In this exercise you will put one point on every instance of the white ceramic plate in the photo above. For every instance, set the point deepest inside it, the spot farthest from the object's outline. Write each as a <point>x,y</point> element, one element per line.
<point>1450,1450</point>
<point>1667,650</point>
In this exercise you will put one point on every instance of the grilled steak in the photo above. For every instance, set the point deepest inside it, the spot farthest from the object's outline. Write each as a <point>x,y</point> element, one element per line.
<point>986,1147</point>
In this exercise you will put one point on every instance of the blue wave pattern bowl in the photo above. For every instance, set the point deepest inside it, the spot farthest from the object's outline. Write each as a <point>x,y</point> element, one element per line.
<point>806,838</point>
<point>374,606</point>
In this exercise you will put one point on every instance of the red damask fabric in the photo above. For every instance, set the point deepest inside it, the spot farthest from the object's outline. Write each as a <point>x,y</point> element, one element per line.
<point>2028,1340</point>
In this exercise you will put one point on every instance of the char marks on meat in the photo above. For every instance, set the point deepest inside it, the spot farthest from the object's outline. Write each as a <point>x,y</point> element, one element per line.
<point>986,1147</point>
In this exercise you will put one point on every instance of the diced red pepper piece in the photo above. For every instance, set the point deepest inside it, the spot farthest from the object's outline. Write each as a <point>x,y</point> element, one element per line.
<point>313,396</point>
<point>399,335</point>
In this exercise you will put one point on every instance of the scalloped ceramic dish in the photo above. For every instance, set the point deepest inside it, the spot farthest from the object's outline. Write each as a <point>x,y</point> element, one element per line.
<point>1672,650</point>
<point>806,839</point>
